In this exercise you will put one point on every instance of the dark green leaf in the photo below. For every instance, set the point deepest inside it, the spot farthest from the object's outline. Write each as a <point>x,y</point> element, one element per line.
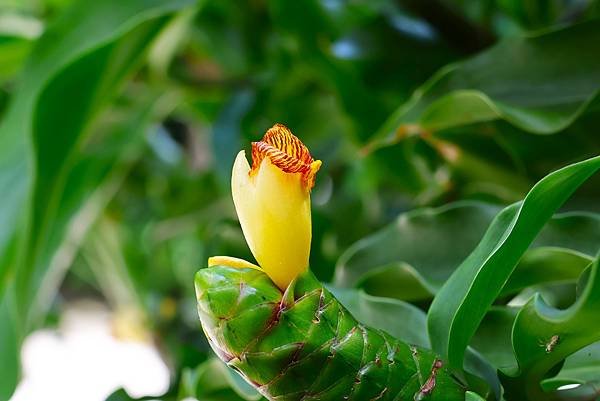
<point>556,78</point>
<point>546,265</point>
<point>408,324</point>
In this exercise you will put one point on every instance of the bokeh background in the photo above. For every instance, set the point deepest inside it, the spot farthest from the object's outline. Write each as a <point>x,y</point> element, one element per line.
<point>120,120</point>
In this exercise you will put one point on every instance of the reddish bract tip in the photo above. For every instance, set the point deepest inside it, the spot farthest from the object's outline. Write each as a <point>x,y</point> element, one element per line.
<point>286,152</point>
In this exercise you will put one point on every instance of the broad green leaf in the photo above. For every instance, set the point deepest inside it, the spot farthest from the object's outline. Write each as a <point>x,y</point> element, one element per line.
<point>492,338</point>
<point>98,173</point>
<point>542,337</point>
<point>99,170</point>
<point>429,242</point>
<point>539,83</point>
<point>463,301</point>
<point>39,160</point>
<point>104,24</point>
<point>546,265</point>
<point>412,257</point>
<point>54,154</point>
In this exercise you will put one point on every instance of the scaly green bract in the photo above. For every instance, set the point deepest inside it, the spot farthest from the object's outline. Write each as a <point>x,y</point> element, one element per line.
<point>304,345</point>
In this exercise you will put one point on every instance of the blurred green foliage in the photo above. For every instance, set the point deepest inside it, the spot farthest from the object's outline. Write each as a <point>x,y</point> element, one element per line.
<point>120,121</point>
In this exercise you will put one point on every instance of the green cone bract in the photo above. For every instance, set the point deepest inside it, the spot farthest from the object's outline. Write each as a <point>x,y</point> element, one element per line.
<point>304,345</point>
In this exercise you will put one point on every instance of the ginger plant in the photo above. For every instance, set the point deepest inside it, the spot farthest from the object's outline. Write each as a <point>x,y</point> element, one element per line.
<point>276,324</point>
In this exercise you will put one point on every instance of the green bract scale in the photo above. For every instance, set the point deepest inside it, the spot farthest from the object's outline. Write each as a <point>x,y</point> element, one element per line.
<point>302,344</point>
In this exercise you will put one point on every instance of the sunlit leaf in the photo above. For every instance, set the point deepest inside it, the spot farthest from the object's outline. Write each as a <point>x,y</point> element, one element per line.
<point>78,74</point>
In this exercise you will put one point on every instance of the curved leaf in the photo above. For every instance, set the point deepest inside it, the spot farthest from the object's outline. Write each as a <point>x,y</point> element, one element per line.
<point>463,301</point>
<point>412,257</point>
<point>429,241</point>
<point>556,78</point>
<point>77,65</point>
<point>546,265</point>
<point>581,367</point>
<point>542,337</point>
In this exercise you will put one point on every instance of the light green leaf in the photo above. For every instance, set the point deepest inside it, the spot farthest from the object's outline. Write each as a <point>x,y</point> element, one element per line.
<point>78,66</point>
<point>459,307</point>
<point>471,396</point>
<point>81,89</point>
<point>556,78</point>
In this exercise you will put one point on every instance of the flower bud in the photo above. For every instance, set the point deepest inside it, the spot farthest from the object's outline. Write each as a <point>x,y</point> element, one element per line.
<point>272,200</point>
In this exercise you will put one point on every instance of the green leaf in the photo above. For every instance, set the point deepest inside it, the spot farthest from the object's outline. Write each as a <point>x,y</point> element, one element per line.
<point>581,367</point>
<point>214,381</point>
<point>425,243</point>
<point>411,258</point>
<point>546,265</point>
<point>77,65</point>
<point>409,322</point>
<point>492,338</point>
<point>98,173</point>
<point>471,396</point>
<point>463,301</point>
<point>556,78</point>
<point>54,154</point>
<point>542,337</point>
<point>71,73</point>
<point>17,33</point>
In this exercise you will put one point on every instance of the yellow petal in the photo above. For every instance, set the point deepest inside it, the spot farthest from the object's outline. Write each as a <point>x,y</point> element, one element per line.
<point>272,201</point>
<point>231,262</point>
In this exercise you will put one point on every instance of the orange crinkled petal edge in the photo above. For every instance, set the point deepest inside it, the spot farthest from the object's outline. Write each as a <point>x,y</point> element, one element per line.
<point>287,152</point>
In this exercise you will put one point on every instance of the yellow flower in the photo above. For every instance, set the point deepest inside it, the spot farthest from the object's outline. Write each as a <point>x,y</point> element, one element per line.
<point>272,200</point>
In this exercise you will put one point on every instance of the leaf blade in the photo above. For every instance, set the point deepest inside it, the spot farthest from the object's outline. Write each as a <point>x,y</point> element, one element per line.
<point>462,302</point>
